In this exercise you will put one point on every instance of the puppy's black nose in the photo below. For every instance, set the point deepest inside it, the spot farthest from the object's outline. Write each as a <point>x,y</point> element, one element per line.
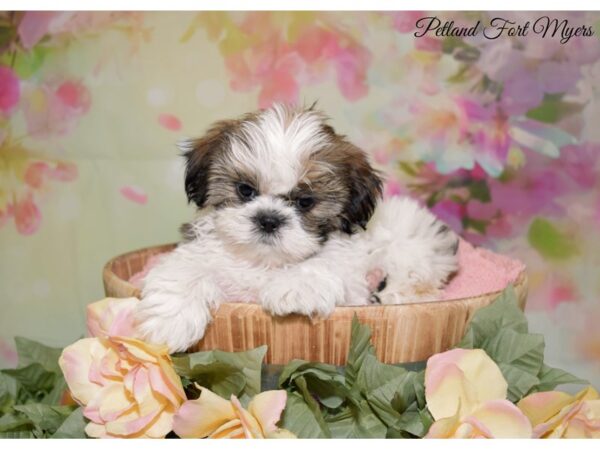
<point>269,222</point>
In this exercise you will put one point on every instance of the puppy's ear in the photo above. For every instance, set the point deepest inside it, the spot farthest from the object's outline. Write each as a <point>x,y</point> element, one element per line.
<point>200,154</point>
<point>364,184</point>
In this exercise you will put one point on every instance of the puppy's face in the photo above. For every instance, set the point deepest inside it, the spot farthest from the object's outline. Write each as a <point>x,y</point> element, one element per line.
<point>280,181</point>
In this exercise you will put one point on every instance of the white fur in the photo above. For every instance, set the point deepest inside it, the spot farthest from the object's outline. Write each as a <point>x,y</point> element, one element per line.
<point>197,276</point>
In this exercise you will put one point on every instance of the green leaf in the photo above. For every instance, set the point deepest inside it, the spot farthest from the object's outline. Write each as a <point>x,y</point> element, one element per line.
<point>8,392</point>
<point>300,419</point>
<point>412,424</point>
<point>224,373</point>
<point>55,395</point>
<point>502,313</point>
<point>360,347</point>
<point>520,382</point>
<point>46,418</point>
<point>73,427</point>
<point>17,435</point>
<point>356,422</point>
<point>500,329</point>
<point>521,350</point>
<point>551,377</point>
<point>33,352</point>
<point>479,190</point>
<point>14,422</point>
<point>552,109</point>
<point>311,403</point>
<point>28,63</point>
<point>381,384</point>
<point>250,363</point>
<point>322,380</point>
<point>33,377</point>
<point>549,241</point>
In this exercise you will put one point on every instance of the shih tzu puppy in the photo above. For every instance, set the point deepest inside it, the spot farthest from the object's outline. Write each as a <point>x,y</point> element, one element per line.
<point>289,216</point>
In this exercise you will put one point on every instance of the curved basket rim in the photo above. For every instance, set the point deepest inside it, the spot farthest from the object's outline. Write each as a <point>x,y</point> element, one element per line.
<point>109,275</point>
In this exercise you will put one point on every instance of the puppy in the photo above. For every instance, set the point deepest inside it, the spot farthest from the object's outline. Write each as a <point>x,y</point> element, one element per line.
<point>284,207</point>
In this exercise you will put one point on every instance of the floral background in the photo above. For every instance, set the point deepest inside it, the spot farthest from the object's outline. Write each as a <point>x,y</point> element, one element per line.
<point>501,138</point>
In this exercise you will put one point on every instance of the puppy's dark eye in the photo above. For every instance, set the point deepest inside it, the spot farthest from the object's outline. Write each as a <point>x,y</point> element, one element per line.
<point>245,191</point>
<point>305,203</point>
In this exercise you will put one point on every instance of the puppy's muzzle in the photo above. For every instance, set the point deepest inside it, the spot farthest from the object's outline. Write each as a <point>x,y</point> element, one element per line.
<point>269,222</point>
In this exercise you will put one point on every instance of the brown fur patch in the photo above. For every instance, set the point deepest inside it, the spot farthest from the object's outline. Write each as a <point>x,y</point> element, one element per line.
<point>342,172</point>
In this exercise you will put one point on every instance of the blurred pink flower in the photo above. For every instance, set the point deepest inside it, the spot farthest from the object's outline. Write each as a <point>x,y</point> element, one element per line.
<point>27,216</point>
<point>55,109</point>
<point>35,174</point>
<point>34,25</point>
<point>170,122</point>
<point>450,212</point>
<point>404,21</point>
<point>458,132</point>
<point>392,188</point>
<point>10,91</point>
<point>428,44</point>
<point>259,52</point>
<point>64,172</point>
<point>135,194</point>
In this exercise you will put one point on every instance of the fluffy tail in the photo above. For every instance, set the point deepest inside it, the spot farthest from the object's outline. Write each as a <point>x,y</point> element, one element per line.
<point>414,250</point>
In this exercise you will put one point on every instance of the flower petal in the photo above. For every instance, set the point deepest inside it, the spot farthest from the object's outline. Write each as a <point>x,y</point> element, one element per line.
<point>131,424</point>
<point>114,402</point>
<point>267,407</point>
<point>157,379</point>
<point>162,425</point>
<point>96,430</point>
<point>199,418</point>
<point>138,350</point>
<point>542,406</point>
<point>444,428</point>
<point>250,425</point>
<point>500,419</point>
<point>75,362</point>
<point>230,430</point>
<point>461,379</point>
<point>112,317</point>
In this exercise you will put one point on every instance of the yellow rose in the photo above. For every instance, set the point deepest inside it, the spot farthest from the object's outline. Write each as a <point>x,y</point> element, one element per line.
<point>560,415</point>
<point>128,388</point>
<point>466,395</point>
<point>214,417</point>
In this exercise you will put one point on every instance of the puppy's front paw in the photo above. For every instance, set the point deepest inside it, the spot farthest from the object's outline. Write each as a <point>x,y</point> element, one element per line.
<point>412,291</point>
<point>309,294</point>
<point>175,322</point>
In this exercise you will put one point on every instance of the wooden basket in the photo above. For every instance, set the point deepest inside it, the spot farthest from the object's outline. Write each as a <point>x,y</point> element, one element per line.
<point>401,333</point>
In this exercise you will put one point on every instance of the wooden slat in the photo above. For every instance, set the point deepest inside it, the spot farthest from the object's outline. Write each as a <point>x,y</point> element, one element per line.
<point>401,333</point>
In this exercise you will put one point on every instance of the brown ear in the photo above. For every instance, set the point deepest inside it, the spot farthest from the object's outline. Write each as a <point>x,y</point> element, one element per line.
<point>199,154</point>
<point>365,190</point>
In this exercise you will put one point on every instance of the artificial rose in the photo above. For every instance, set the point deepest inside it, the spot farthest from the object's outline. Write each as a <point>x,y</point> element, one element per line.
<point>214,417</point>
<point>112,317</point>
<point>128,388</point>
<point>560,415</point>
<point>466,395</point>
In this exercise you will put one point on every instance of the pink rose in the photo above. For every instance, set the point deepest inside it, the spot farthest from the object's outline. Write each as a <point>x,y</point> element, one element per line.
<point>214,417</point>
<point>112,317</point>
<point>128,388</point>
